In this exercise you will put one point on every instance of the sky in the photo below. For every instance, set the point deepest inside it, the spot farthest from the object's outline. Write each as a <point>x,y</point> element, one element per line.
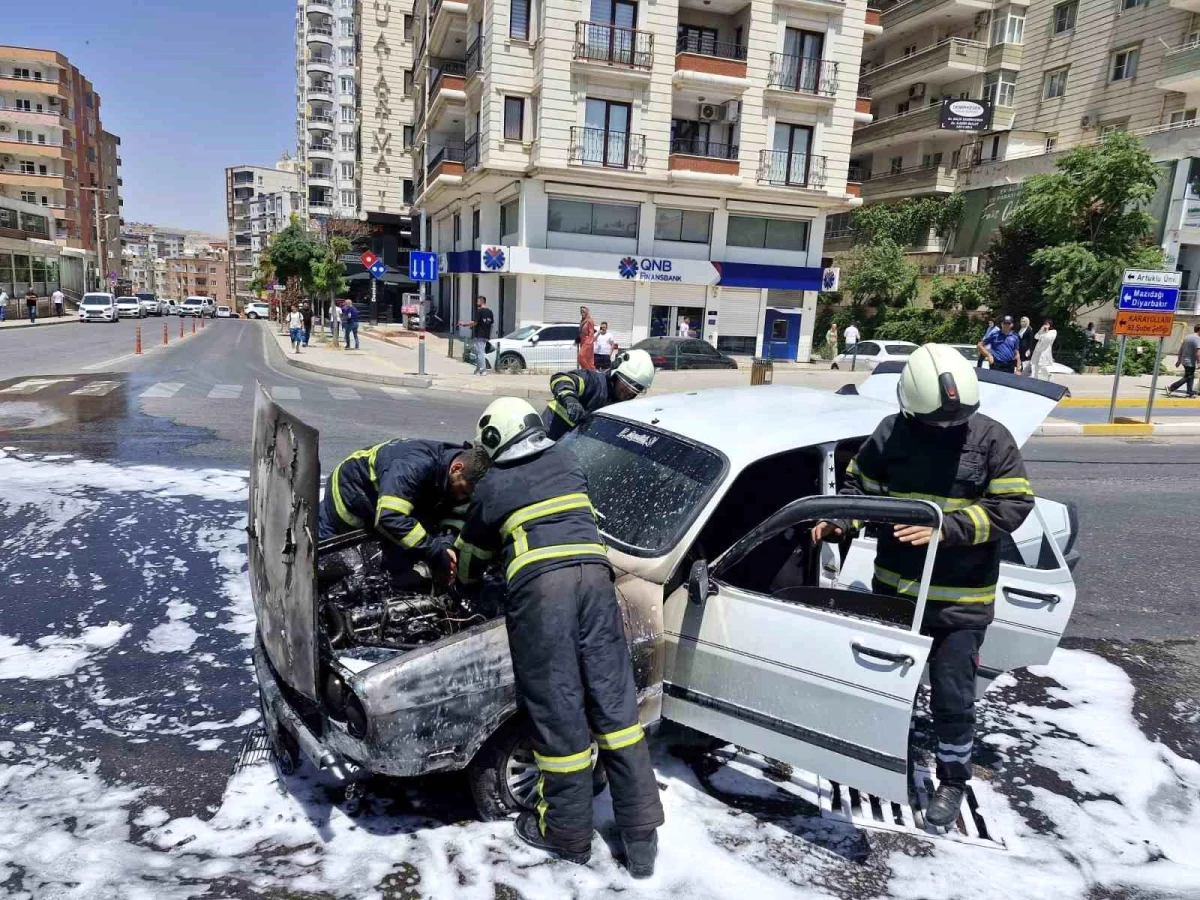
<point>190,88</point>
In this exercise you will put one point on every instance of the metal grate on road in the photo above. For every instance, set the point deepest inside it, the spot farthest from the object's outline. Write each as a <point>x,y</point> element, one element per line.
<point>255,750</point>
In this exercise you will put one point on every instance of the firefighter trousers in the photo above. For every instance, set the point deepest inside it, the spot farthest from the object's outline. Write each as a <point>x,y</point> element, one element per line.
<point>953,661</point>
<point>575,680</point>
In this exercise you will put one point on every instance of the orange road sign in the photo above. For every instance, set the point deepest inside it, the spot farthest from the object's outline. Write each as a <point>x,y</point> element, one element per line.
<point>1144,324</point>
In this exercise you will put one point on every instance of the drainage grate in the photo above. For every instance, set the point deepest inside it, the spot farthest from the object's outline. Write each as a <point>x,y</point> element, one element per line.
<point>256,749</point>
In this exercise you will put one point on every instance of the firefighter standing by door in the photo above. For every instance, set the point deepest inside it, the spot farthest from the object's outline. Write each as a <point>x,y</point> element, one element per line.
<point>572,666</point>
<point>584,391</point>
<point>940,448</point>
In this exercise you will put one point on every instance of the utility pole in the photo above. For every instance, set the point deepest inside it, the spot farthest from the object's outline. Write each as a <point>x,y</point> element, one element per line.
<point>101,262</point>
<point>425,174</point>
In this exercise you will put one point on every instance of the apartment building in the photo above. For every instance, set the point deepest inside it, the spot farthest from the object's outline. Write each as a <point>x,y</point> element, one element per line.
<point>202,274</point>
<point>30,255</point>
<point>259,202</point>
<point>657,162</point>
<point>53,149</point>
<point>327,118</point>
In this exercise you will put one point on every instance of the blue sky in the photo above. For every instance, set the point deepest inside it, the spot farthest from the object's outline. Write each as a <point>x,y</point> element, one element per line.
<point>190,88</point>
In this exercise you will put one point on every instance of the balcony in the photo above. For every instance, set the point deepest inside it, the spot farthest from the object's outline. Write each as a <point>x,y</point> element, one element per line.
<point>872,27</point>
<point>447,25</point>
<point>325,7</point>
<point>45,86</point>
<point>49,149</point>
<point>913,181</point>
<point>704,57</point>
<point>320,34</point>
<point>614,48</point>
<point>449,84</point>
<point>855,176</point>
<point>1186,5</point>
<point>321,64</point>
<point>52,182</point>
<point>321,177</point>
<point>952,58</point>
<point>1005,56</point>
<point>321,90</point>
<point>1181,69</point>
<point>915,124</point>
<point>801,80</point>
<point>607,149</point>
<point>471,65</point>
<point>798,170</point>
<point>320,122</point>
<point>704,157</point>
<point>45,119</point>
<point>322,150</point>
<point>471,153</point>
<point>912,15</point>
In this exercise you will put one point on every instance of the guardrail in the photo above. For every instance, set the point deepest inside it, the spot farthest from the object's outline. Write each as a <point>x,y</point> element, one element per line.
<point>611,149</point>
<point>446,154</point>
<point>707,149</point>
<point>779,167</point>
<point>471,61</point>
<point>599,42</point>
<point>803,75</point>
<point>704,46</point>
<point>471,152</point>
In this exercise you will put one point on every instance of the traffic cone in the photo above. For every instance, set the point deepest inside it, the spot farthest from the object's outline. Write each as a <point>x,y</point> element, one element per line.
<point>201,322</point>
<point>137,340</point>
<point>181,329</point>
<point>193,326</point>
<point>166,340</point>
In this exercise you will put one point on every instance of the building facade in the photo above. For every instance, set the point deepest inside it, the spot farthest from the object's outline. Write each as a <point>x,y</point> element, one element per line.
<point>259,202</point>
<point>659,163</point>
<point>54,152</point>
<point>200,274</point>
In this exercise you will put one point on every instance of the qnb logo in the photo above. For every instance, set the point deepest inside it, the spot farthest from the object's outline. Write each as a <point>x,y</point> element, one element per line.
<point>493,258</point>
<point>829,280</point>
<point>628,267</point>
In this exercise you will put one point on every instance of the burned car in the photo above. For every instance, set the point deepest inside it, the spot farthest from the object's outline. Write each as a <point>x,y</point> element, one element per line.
<point>738,626</point>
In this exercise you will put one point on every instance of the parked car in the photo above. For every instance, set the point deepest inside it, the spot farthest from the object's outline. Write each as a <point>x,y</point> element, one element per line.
<point>98,307</point>
<point>169,307</point>
<point>549,345</point>
<point>131,307</point>
<point>258,310</point>
<point>685,353</point>
<point>722,594</point>
<point>868,354</point>
<point>199,307</point>
<point>224,312</point>
<point>150,304</point>
<point>971,352</point>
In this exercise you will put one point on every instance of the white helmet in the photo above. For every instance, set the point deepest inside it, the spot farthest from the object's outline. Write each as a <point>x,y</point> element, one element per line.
<point>635,369</point>
<point>510,429</point>
<point>938,386</point>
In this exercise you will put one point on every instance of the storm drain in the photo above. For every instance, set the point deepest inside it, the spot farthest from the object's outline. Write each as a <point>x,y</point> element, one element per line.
<point>865,810</point>
<point>255,750</point>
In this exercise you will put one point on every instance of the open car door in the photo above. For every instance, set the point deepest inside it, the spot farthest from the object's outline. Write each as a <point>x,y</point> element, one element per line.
<point>821,678</point>
<point>282,528</point>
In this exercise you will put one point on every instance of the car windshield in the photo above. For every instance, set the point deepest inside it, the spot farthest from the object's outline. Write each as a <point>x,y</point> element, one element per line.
<point>522,333</point>
<point>127,299</point>
<point>898,349</point>
<point>149,298</point>
<point>191,302</point>
<point>647,486</point>
<point>96,300</point>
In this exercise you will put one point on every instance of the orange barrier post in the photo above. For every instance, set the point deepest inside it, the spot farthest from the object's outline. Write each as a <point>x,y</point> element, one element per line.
<point>181,328</point>
<point>201,321</point>
<point>193,326</point>
<point>166,340</point>
<point>137,340</point>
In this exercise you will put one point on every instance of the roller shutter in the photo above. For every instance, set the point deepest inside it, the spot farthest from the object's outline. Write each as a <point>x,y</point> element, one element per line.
<point>739,312</point>
<point>785,299</point>
<point>608,300</point>
<point>678,294</point>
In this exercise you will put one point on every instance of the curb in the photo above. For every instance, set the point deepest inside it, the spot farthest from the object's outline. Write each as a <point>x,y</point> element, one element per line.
<point>1129,402</point>
<point>1117,429</point>
<point>52,320</point>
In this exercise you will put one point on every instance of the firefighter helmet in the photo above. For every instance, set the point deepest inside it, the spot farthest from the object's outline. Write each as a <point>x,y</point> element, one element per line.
<point>510,429</point>
<point>635,369</point>
<point>938,386</point>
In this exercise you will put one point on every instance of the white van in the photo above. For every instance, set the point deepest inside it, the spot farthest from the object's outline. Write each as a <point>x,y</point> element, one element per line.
<point>200,307</point>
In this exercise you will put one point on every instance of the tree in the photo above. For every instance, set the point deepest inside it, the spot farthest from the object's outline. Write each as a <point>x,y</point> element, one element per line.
<point>291,254</point>
<point>969,293</point>
<point>908,222</point>
<point>877,274</point>
<point>328,271</point>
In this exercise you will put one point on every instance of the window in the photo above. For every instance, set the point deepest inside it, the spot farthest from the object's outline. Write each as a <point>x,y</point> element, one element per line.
<point>1132,4</point>
<point>599,219</point>
<point>348,114</point>
<point>28,197</point>
<point>687,225</point>
<point>347,56</point>
<point>767,234</point>
<point>910,49</point>
<point>895,165</point>
<point>510,214</point>
<point>348,141</point>
<point>347,170</point>
<point>518,19</point>
<point>1064,16</point>
<point>474,224</point>
<point>27,167</point>
<point>931,160</point>
<point>1056,84</point>
<point>514,118</point>
<point>1009,27</point>
<point>456,230</point>
<point>1183,118</point>
<point>1124,64</point>
<point>347,28</point>
<point>408,28</point>
<point>408,82</point>
<point>1111,128</point>
<point>407,189</point>
<point>348,199</point>
<point>901,108</point>
<point>347,84</point>
<point>1051,143</point>
<point>1000,87</point>
<point>408,136</point>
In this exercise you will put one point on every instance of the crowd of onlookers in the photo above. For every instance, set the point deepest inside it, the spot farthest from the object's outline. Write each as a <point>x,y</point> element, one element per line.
<point>57,305</point>
<point>342,321</point>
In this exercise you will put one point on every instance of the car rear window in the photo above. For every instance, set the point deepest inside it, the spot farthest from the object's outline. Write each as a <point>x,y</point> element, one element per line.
<point>899,349</point>
<point>647,486</point>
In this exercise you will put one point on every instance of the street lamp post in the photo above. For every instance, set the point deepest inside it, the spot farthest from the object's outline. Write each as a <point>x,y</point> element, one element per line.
<point>101,261</point>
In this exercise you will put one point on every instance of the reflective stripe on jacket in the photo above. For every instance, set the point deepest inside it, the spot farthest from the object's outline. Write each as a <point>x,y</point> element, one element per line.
<point>592,389</point>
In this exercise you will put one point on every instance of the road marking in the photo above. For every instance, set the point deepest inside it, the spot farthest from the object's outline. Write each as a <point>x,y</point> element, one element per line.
<point>285,393</point>
<point>96,389</point>
<point>163,390</point>
<point>225,392</point>
<point>344,393</point>
<point>33,385</point>
<point>396,391</point>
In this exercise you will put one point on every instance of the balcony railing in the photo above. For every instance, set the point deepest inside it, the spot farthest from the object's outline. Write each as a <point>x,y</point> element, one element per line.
<point>471,64</point>
<point>597,42</point>
<point>325,30</point>
<point>36,76</point>
<point>702,45</point>
<point>610,149</point>
<point>320,60</point>
<point>803,75</point>
<point>857,173</point>
<point>471,153</point>
<point>447,68</point>
<point>320,117</point>
<point>321,87</point>
<point>326,174</point>
<point>708,149</point>
<point>780,167</point>
<point>320,148</point>
<point>446,154</point>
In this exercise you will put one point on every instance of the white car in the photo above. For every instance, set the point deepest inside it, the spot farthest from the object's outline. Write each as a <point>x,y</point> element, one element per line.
<point>542,346</point>
<point>224,312</point>
<point>258,310</point>
<point>169,307</point>
<point>866,355</point>
<point>200,307</point>
<point>98,307</point>
<point>971,352</point>
<point>130,307</point>
<point>151,304</point>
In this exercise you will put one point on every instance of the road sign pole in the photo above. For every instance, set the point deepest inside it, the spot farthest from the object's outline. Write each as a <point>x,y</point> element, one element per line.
<point>424,284</point>
<point>1112,406</point>
<point>374,307</point>
<point>1154,380</point>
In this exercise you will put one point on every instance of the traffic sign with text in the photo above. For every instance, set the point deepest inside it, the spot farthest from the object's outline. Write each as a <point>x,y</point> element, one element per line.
<point>368,259</point>
<point>422,266</point>
<point>1136,323</point>
<point>1149,291</point>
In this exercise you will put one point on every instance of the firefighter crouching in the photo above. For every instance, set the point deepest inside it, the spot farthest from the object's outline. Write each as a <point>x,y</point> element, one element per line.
<point>573,671</point>
<point>940,448</point>
<point>398,488</point>
<point>584,391</point>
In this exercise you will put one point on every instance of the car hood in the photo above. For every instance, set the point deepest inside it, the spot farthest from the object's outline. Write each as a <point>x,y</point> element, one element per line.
<point>282,528</point>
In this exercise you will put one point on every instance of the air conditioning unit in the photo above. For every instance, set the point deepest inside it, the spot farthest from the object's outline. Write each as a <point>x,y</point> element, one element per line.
<point>732,110</point>
<point>712,112</point>
<point>8,159</point>
<point>3,128</point>
<point>1088,121</point>
<point>916,91</point>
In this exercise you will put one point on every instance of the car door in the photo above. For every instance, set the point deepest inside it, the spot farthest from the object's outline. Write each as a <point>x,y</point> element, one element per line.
<point>807,675</point>
<point>556,346</point>
<point>700,355</point>
<point>863,355</point>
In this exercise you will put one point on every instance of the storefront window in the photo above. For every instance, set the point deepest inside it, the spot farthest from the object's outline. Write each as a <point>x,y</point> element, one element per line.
<point>6,273</point>
<point>53,277</point>
<point>598,219</point>
<point>20,275</point>
<point>767,234</point>
<point>39,275</point>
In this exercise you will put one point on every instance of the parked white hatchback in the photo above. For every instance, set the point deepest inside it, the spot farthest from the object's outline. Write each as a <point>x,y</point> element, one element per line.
<point>866,355</point>
<point>98,308</point>
<point>224,312</point>
<point>131,307</point>
<point>542,346</point>
<point>258,310</point>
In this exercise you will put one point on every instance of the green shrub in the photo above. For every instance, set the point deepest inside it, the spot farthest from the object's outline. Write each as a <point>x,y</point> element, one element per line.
<point>1139,358</point>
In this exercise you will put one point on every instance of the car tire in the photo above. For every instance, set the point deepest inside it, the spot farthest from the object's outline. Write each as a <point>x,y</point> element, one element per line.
<point>834,367</point>
<point>510,364</point>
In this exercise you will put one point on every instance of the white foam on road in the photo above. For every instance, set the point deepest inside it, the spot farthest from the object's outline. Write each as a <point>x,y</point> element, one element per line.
<point>55,655</point>
<point>174,635</point>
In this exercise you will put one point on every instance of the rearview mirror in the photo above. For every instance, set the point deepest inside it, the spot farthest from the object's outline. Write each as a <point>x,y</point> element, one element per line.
<point>699,587</point>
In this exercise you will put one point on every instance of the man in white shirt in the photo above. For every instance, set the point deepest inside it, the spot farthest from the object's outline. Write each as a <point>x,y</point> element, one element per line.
<point>851,335</point>
<point>606,346</point>
<point>3,304</point>
<point>684,330</point>
<point>335,321</point>
<point>58,299</point>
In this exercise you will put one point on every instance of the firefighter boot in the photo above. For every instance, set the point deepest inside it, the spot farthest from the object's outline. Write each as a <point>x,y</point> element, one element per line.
<point>528,831</point>
<point>640,851</point>
<point>943,808</point>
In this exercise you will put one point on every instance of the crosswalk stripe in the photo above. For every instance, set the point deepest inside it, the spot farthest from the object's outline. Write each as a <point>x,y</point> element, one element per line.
<point>163,390</point>
<point>344,393</point>
<point>96,389</point>
<point>285,393</point>
<point>395,391</point>
<point>33,385</point>
<point>225,392</point>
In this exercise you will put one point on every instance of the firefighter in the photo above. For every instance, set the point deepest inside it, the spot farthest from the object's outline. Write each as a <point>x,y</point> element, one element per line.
<point>940,448</point>
<point>570,658</point>
<point>395,486</point>
<point>584,391</point>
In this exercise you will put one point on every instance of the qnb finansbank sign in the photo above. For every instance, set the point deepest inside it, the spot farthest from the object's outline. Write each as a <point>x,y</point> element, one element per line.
<point>500,260</point>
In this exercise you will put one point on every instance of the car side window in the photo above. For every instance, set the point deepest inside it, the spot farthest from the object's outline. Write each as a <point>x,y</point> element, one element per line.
<point>558,333</point>
<point>865,348</point>
<point>700,348</point>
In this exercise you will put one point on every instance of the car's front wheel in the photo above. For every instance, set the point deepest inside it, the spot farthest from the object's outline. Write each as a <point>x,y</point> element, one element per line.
<point>510,364</point>
<point>834,367</point>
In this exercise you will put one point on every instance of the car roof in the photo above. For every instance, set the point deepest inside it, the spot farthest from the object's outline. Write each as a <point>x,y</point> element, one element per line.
<point>749,423</point>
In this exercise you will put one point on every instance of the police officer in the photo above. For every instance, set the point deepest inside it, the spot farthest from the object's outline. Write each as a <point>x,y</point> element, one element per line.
<point>395,485</point>
<point>940,448</point>
<point>583,391</point>
<point>570,658</point>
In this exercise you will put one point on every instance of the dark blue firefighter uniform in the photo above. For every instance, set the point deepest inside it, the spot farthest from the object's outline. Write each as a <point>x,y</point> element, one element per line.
<point>570,657</point>
<point>576,394</point>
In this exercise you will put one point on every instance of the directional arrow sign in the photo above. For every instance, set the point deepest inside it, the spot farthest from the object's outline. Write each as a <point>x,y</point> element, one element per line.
<point>1148,299</point>
<point>368,259</point>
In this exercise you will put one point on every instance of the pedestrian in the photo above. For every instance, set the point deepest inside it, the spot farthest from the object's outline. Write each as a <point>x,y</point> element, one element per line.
<point>1189,357</point>
<point>1043,355</point>
<point>295,325</point>
<point>58,299</point>
<point>1025,335</point>
<point>1001,347</point>
<point>586,339</point>
<point>3,304</point>
<point>335,320</point>
<point>831,339</point>
<point>573,672</point>
<point>350,317</point>
<point>584,391</point>
<point>31,306</point>
<point>940,448</point>
<point>606,345</point>
<point>684,330</point>
<point>306,315</point>
<point>987,333</point>
<point>851,336</point>
<point>481,332</point>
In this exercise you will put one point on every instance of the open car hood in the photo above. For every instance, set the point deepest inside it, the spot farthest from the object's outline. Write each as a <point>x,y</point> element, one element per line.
<point>1018,403</point>
<point>282,527</point>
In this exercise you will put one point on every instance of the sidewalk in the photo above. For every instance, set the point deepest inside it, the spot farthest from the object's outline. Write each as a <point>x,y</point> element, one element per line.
<point>65,319</point>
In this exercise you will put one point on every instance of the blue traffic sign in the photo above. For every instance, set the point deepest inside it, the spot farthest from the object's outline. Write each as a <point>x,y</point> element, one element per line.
<point>378,269</point>
<point>422,266</point>
<point>1148,298</point>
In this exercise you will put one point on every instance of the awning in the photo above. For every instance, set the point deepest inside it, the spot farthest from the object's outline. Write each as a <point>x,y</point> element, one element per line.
<point>389,278</point>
